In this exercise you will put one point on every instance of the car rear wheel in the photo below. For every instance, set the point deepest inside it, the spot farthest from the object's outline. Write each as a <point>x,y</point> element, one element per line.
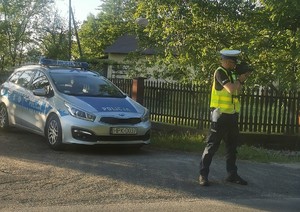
<point>3,117</point>
<point>54,133</point>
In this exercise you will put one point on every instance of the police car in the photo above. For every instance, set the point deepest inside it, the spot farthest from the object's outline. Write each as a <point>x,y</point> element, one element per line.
<point>67,103</point>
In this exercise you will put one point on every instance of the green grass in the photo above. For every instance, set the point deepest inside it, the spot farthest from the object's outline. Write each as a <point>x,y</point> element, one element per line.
<point>196,143</point>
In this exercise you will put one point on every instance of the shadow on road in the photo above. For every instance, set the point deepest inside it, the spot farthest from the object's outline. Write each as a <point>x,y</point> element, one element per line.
<point>147,174</point>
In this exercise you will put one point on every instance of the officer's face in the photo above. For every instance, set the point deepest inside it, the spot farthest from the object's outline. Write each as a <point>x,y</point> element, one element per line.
<point>231,64</point>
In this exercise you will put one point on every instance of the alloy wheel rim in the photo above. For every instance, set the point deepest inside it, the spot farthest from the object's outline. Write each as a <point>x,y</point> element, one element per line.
<point>2,116</point>
<point>53,132</point>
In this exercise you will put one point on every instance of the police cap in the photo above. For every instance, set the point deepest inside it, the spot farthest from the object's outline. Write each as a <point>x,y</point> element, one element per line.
<point>230,54</point>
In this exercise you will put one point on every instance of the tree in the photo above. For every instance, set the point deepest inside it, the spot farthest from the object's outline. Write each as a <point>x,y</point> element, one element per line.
<point>278,46</point>
<point>100,31</point>
<point>19,21</point>
<point>186,35</point>
<point>189,34</point>
<point>54,39</point>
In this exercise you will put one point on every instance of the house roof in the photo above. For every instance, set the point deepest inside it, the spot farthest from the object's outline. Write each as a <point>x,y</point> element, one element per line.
<point>125,45</point>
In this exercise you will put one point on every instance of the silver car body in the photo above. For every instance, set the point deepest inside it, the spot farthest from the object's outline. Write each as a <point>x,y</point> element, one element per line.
<point>84,118</point>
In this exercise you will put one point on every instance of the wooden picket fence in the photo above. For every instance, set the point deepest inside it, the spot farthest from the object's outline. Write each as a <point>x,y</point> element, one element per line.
<point>263,111</point>
<point>178,104</point>
<point>268,111</point>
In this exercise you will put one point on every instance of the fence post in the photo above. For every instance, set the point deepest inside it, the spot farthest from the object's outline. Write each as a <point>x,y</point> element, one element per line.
<point>138,89</point>
<point>298,112</point>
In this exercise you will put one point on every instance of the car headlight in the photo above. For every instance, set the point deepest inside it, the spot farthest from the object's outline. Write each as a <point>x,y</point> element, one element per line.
<point>146,116</point>
<point>78,113</point>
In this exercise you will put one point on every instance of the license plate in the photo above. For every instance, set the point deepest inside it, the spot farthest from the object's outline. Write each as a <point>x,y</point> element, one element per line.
<point>123,131</point>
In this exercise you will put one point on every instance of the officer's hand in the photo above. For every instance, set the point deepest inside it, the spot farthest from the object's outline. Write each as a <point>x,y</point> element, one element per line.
<point>243,77</point>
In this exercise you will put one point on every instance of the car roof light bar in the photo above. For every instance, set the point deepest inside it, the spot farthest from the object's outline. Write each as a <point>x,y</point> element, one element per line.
<point>50,62</point>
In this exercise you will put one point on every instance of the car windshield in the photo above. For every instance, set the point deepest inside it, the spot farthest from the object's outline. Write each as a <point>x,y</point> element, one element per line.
<point>84,84</point>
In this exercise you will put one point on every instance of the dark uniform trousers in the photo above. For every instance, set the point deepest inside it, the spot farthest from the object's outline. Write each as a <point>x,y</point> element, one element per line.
<point>228,130</point>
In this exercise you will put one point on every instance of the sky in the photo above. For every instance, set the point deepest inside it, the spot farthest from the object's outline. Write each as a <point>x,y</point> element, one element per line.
<point>81,8</point>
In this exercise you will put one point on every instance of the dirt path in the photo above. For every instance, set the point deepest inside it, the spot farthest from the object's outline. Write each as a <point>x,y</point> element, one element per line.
<point>32,175</point>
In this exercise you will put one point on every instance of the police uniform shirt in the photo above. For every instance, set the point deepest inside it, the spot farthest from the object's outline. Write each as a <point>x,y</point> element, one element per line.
<point>221,79</point>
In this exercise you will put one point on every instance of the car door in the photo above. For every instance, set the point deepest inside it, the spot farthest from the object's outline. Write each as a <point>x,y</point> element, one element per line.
<point>14,100</point>
<point>23,84</point>
<point>38,106</point>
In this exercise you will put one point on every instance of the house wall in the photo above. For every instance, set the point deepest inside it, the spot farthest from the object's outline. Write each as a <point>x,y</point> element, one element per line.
<point>119,58</point>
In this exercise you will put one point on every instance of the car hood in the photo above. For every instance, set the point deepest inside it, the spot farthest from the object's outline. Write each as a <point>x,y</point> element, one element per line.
<point>105,104</point>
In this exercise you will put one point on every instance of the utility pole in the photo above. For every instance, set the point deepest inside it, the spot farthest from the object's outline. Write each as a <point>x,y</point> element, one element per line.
<point>70,30</point>
<point>76,34</point>
<point>72,18</point>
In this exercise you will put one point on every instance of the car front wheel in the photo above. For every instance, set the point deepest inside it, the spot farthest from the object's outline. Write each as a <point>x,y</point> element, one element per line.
<point>54,133</point>
<point>3,117</point>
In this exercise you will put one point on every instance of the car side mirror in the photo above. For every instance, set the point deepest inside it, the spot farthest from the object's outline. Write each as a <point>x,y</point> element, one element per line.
<point>46,91</point>
<point>40,92</point>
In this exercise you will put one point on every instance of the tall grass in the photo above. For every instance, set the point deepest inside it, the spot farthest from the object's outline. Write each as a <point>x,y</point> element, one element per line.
<point>196,143</point>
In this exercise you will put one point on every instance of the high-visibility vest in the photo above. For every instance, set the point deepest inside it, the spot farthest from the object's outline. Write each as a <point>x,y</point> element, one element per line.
<point>227,102</point>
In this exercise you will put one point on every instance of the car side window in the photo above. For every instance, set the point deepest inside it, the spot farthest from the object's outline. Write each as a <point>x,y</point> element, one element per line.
<point>40,81</point>
<point>25,78</point>
<point>14,77</point>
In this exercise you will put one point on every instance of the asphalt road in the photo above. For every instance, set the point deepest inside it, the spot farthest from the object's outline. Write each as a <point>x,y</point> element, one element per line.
<point>35,178</point>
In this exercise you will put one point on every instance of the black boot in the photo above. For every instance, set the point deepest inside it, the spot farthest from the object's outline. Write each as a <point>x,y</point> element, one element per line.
<point>203,180</point>
<point>235,178</point>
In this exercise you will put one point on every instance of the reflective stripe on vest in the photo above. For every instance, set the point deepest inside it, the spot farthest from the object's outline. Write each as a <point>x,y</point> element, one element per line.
<point>222,99</point>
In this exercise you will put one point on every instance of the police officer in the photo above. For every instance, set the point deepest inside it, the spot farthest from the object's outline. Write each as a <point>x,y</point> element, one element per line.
<point>225,107</point>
